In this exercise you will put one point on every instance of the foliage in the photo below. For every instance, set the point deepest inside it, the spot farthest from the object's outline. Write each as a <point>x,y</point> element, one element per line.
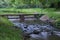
<point>5,22</point>
<point>26,3</point>
<point>8,32</point>
<point>55,16</point>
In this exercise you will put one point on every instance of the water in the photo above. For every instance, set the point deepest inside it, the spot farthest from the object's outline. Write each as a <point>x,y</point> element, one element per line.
<point>37,31</point>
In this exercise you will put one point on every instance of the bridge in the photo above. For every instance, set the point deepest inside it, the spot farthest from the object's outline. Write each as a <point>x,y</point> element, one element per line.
<point>21,16</point>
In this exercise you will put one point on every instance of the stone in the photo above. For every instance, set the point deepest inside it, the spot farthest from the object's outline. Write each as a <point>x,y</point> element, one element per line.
<point>40,36</point>
<point>45,35</point>
<point>44,18</point>
<point>35,37</point>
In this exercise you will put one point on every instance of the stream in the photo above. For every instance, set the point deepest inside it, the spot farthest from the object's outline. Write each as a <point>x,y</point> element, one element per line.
<point>36,31</point>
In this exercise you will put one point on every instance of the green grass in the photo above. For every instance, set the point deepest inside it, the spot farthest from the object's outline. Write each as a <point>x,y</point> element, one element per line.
<point>8,32</point>
<point>29,11</point>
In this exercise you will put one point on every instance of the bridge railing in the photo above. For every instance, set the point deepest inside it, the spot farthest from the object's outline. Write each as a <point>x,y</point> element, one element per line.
<point>21,16</point>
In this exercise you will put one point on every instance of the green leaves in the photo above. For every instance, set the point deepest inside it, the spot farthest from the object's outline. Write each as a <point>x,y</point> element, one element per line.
<point>26,3</point>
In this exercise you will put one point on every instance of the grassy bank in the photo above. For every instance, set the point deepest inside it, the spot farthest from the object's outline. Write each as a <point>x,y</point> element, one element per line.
<point>8,32</point>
